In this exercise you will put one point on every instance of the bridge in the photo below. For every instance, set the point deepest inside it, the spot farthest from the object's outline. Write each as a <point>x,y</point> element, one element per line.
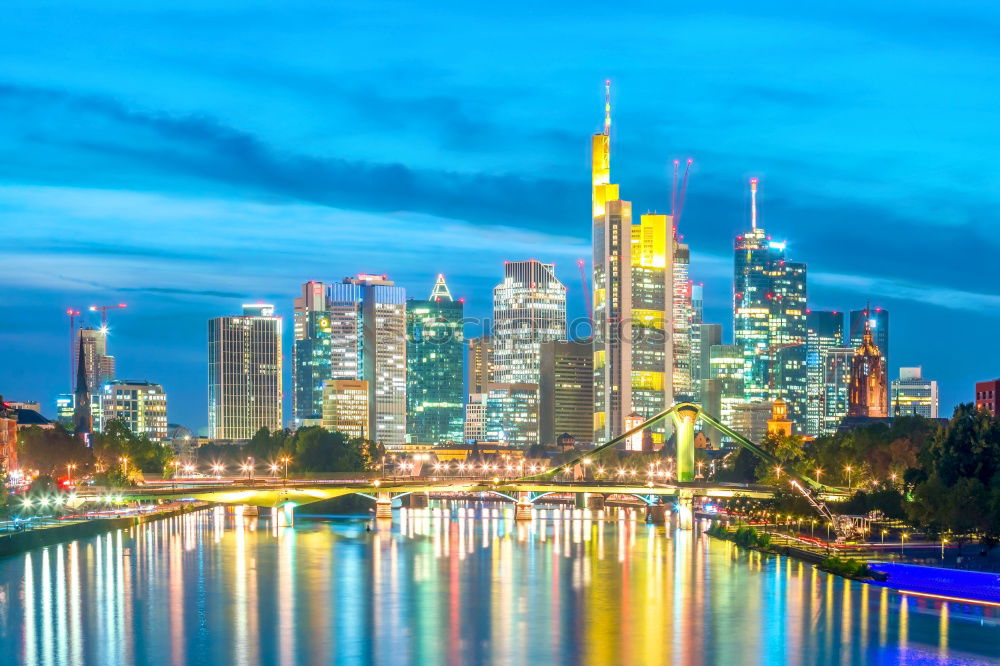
<point>524,491</point>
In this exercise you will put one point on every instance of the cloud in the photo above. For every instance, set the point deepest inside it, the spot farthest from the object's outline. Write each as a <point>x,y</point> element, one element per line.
<point>136,148</point>
<point>946,297</point>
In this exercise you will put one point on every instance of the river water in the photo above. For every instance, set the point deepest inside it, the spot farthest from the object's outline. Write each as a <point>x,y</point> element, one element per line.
<point>456,584</point>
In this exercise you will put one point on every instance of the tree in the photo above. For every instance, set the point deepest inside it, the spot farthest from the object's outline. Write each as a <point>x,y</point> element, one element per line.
<point>117,441</point>
<point>49,450</point>
<point>266,444</point>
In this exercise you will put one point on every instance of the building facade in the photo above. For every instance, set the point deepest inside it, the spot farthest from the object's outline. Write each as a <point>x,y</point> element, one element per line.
<point>368,342</point>
<point>435,368</point>
<point>529,308</point>
<point>912,394</point>
<point>838,364</point>
<point>512,414</point>
<point>475,417</point>
<point>8,436</point>
<point>244,373</point>
<point>311,351</point>
<point>769,319</point>
<point>988,396</point>
<point>481,370</point>
<point>868,392</point>
<point>345,407</point>
<point>726,365</point>
<point>824,331</point>
<point>566,391</point>
<point>141,405</point>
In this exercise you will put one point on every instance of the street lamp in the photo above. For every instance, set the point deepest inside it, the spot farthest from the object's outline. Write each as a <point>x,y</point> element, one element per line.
<point>902,540</point>
<point>819,473</point>
<point>217,468</point>
<point>69,472</point>
<point>285,460</point>
<point>848,469</point>
<point>124,461</point>
<point>883,536</point>
<point>943,542</point>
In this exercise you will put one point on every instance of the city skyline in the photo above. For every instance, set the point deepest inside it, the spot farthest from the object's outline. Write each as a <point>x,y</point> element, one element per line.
<point>515,188</point>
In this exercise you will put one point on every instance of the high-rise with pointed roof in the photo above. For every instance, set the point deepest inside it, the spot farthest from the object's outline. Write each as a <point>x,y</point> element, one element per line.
<point>633,301</point>
<point>434,368</point>
<point>769,319</point>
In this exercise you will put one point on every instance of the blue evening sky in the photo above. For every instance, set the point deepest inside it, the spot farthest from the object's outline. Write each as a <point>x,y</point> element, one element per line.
<point>186,157</point>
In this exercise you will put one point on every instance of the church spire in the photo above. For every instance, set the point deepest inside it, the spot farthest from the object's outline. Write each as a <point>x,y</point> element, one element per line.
<point>440,291</point>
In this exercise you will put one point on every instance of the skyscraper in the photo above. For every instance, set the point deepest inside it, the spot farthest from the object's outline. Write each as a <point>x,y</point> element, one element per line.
<point>824,331</point>
<point>769,319</point>
<point>633,300</point>
<point>475,417</point>
<point>142,406</point>
<point>512,414</point>
<point>838,363</point>
<point>566,392</point>
<point>912,394</point>
<point>726,369</point>
<point>368,342</point>
<point>311,361</point>
<point>529,308</point>
<point>868,394</point>
<point>683,322</point>
<point>708,336</point>
<point>98,365</point>
<point>244,373</point>
<point>481,370</point>
<point>435,367</point>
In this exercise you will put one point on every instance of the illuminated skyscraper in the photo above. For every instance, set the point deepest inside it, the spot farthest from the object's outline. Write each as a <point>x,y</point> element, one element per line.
<point>824,331</point>
<point>475,417</point>
<point>769,319</point>
<point>632,300</point>
<point>99,366</point>
<point>481,370</point>
<point>912,394</point>
<point>368,342</point>
<point>142,406</point>
<point>867,397</point>
<point>529,307</point>
<point>683,322</point>
<point>435,368</point>
<point>838,363</point>
<point>244,373</point>
<point>726,365</point>
<point>310,351</point>
<point>512,414</point>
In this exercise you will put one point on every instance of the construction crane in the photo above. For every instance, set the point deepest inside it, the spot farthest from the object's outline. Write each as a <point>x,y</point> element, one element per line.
<point>73,314</point>
<point>586,292</point>
<point>103,309</point>
<point>683,193</point>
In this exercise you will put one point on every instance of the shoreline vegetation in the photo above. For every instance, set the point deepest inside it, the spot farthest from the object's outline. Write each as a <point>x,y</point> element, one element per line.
<point>753,539</point>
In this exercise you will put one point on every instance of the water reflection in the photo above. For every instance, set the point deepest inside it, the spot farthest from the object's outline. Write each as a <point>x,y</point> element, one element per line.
<point>455,583</point>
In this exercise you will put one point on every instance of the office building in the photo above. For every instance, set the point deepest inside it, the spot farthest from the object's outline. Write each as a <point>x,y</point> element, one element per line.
<point>368,342</point>
<point>481,370</point>
<point>988,395</point>
<point>641,303</point>
<point>750,418</point>
<point>475,417</point>
<point>726,372</point>
<point>769,319</point>
<point>435,358</point>
<point>824,331</point>
<point>912,394</point>
<point>8,436</point>
<point>92,347</point>
<point>140,405</point>
<point>512,414</point>
<point>708,336</point>
<point>310,351</point>
<point>529,308</point>
<point>838,364</point>
<point>244,373</point>
<point>868,392</point>
<point>345,407</point>
<point>566,391</point>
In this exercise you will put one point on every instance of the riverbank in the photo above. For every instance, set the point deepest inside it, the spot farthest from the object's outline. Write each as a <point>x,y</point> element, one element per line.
<point>753,539</point>
<point>18,542</point>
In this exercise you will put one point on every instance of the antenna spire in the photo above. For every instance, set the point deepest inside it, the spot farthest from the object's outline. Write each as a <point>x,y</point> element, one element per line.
<point>607,107</point>
<point>753,203</point>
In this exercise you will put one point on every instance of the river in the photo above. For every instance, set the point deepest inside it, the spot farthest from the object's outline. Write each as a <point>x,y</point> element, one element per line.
<point>456,584</point>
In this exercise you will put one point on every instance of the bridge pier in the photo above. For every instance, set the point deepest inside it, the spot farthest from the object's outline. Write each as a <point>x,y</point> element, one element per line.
<point>595,501</point>
<point>685,509</point>
<point>580,500</point>
<point>418,500</point>
<point>656,513</point>
<point>383,505</point>
<point>522,511</point>
<point>684,419</point>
